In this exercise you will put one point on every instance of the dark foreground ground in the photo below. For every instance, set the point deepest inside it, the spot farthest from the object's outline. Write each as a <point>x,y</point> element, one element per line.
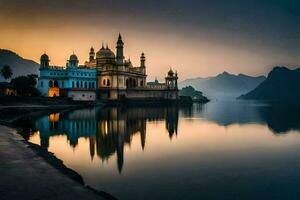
<point>29,172</point>
<point>26,175</point>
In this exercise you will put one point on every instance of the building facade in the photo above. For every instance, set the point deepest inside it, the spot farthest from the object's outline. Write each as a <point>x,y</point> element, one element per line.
<point>118,79</point>
<point>105,76</point>
<point>73,81</point>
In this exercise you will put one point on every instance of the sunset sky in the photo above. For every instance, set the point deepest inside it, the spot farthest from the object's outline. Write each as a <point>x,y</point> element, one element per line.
<point>194,37</point>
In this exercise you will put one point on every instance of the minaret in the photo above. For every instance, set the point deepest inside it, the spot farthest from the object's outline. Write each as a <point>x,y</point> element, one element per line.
<point>92,147</point>
<point>143,59</point>
<point>92,54</point>
<point>120,46</point>
<point>73,61</point>
<point>44,61</point>
<point>176,76</point>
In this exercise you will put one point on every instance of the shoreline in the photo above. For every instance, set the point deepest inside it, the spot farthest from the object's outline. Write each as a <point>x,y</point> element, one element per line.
<point>21,112</point>
<point>13,112</point>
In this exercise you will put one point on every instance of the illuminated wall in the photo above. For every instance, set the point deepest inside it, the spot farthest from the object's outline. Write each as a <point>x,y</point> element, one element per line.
<point>53,92</point>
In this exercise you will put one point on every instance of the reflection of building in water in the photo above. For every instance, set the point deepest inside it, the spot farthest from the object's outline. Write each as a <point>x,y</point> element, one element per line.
<point>171,117</point>
<point>76,124</point>
<point>109,130</point>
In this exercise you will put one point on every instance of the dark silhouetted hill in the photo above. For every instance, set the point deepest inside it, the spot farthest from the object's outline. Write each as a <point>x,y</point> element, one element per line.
<point>196,96</point>
<point>282,84</point>
<point>19,65</point>
<point>224,85</point>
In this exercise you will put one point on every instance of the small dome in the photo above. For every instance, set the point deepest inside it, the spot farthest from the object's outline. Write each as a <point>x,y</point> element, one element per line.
<point>170,73</point>
<point>44,57</point>
<point>105,53</point>
<point>73,57</point>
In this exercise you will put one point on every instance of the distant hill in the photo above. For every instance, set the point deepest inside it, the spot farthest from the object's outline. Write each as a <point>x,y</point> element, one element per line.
<point>224,85</point>
<point>282,84</point>
<point>19,65</point>
<point>196,96</point>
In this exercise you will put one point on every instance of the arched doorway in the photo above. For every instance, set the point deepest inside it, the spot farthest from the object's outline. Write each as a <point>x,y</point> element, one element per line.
<point>131,83</point>
<point>53,90</point>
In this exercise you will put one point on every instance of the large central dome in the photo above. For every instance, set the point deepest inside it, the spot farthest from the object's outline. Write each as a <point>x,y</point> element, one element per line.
<point>105,53</point>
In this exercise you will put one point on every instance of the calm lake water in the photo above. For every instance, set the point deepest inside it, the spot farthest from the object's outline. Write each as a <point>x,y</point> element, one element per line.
<point>221,150</point>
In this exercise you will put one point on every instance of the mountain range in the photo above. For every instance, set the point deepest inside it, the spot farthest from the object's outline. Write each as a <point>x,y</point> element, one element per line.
<point>19,65</point>
<point>282,84</point>
<point>224,85</point>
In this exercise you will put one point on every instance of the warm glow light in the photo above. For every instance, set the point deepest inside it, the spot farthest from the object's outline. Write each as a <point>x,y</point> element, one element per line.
<point>53,92</point>
<point>54,117</point>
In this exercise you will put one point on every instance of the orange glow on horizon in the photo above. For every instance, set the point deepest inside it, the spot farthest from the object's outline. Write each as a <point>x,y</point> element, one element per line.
<point>189,58</point>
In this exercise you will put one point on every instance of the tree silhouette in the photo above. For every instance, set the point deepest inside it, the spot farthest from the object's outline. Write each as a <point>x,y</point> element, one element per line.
<point>25,85</point>
<point>6,72</point>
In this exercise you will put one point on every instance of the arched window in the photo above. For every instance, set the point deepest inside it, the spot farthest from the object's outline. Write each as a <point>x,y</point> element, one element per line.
<point>93,85</point>
<point>85,84</point>
<point>90,85</point>
<point>134,82</point>
<point>127,83</point>
<point>50,83</point>
<point>108,82</point>
<point>77,84</point>
<point>55,83</point>
<point>104,82</point>
<point>73,84</point>
<point>42,83</point>
<point>81,84</point>
<point>142,83</point>
<point>62,84</point>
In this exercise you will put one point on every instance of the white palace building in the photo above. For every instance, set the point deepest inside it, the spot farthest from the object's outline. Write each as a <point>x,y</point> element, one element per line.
<point>76,82</point>
<point>106,76</point>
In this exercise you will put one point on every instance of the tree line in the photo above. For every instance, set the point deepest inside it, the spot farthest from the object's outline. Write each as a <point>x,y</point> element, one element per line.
<point>24,85</point>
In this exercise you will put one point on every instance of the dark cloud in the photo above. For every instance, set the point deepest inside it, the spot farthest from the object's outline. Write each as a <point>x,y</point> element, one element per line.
<point>256,19</point>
